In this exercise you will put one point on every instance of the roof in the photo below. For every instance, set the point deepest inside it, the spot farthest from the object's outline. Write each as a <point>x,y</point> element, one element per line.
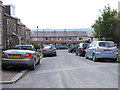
<point>88,30</point>
<point>20,23</point>
<point>59,33</point>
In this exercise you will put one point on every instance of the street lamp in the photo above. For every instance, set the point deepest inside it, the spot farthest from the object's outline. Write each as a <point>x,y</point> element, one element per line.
<point>37,34</point>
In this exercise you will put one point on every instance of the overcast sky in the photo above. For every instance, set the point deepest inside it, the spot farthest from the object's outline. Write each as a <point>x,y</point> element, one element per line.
<point>59,14</point>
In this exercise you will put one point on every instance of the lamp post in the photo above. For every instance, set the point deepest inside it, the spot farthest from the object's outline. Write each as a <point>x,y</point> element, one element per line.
<point>37,34</point>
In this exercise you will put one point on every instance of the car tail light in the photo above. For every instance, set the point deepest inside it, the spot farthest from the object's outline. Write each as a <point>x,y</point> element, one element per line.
<point>81,48</point>
<point>43,50</point>
<point>97,47</point>
<point>116,49</point>
<point>54,49</point>
<point>2,54</point>
<point>28,54</point>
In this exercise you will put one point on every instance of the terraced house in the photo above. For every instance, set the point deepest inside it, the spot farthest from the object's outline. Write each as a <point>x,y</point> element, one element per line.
<point>12,30</point>
<point>58,37</point>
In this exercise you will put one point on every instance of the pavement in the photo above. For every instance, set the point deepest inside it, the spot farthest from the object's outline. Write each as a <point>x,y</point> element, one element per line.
<point>12,74</point>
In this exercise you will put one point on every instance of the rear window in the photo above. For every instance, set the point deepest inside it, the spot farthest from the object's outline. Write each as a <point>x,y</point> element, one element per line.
<point>24,47</point>
<point>106,44</point>
<point>49,47</point>
<point>85,45</point>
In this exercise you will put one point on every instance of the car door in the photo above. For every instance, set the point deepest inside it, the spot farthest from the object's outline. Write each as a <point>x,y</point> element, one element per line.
<point>88,50</point>
<point>91,49</point>
<point>78,49</point>
<point>37,56</point>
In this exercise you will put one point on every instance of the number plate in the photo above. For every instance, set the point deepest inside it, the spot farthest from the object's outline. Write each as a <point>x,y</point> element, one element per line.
<point>108,50</point>
<point>14,55</point>
<point>49,50</point>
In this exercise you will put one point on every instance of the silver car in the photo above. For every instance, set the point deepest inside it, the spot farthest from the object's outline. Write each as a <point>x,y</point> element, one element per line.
<point>102,49</point>
<point>49,50</point>
<point>21,55</point>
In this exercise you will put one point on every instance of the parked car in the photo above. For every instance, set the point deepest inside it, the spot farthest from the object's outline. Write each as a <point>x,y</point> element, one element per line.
<point>20,55</point>
<point>61,47</point>
<point>81,49</point>
<point>49,50</point>
<point>72,48</point>
<point>102,50</point>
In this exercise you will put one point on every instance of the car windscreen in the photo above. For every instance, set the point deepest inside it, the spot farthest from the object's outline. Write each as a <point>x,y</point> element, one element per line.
<point>106,44</point>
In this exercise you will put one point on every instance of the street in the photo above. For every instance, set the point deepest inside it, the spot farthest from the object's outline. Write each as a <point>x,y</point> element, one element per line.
<point>66,70</point>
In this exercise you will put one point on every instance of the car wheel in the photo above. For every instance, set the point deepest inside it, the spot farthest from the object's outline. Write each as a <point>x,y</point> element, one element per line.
<point>33,66</point>
<point>55,54</point>
<point>76,54</point>
<point>39,61</point>
<point>86,57</point>
<point>4,67</point>
<point>80,54</point>
<point>114,60</point>
<point>94,58</point>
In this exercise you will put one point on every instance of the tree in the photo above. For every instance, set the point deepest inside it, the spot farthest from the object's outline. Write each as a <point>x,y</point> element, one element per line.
<point>106,24</point>
<point>37,46</point>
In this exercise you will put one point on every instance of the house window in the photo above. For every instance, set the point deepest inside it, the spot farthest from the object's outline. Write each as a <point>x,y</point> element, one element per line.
<point>40,39</point>
<point>46,38</point>
<point>35,39</point>
<point>69,38</point>
<point>8,25</point>
<point>80,38</point>
<point>14,27</point>
<point>58,39</point>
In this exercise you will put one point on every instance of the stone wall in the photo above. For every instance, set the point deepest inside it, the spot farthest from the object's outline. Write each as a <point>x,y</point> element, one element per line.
<point>1,23</point>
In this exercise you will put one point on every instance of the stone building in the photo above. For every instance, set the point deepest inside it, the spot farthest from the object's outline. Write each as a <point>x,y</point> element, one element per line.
<point>14,31</point>
<point>58,37</point>
<point>1,23</point>
<point>21,31</point>
<point>10,31</point>
<point>28,35</point>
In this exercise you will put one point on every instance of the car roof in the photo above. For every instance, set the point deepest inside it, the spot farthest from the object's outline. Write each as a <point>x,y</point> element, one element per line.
<point>102,41</point>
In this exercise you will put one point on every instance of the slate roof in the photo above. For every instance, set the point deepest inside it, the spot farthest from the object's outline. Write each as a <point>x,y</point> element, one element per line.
<point>59,34</point>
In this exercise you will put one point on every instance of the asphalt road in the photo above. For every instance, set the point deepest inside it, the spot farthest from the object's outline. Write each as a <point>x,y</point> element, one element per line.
<point>67,70</point>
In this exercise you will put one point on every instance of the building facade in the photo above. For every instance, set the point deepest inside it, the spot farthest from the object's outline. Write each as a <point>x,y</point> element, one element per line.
<point>1,23</point>
<point>21,32</point>
<point>12,30</point>
<point>58,37</point>
<point>28,35</point>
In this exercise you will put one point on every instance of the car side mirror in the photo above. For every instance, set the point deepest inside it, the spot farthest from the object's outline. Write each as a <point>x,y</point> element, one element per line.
<point>116,45</point>
<point>87,47</point>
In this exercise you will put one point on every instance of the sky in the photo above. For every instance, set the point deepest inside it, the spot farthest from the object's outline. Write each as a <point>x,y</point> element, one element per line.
<point>59,14</point>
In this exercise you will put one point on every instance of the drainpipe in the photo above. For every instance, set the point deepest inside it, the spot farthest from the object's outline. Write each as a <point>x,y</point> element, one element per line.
<point>19,40</point>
